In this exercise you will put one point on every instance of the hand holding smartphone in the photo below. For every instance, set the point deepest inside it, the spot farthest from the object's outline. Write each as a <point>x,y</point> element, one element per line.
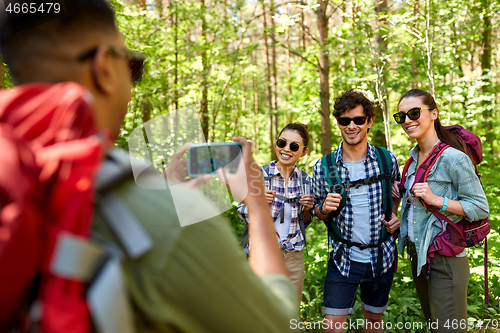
<point>206,158</point>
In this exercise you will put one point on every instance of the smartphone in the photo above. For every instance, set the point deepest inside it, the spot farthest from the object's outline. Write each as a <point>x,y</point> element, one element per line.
<point>206,158</point>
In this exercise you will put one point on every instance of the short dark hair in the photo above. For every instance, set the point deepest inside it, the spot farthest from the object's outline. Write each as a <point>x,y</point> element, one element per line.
<point>299,128</point>
<point>76,17</point>
<point>349,100</point>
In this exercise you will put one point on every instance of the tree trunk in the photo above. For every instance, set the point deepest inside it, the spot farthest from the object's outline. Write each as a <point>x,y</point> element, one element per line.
<point>159,6</point>
<point>485,70</point>
<point>289,79</point>
<point>324,70</point>
<point>175,18</point>
<point>428,44</point>
<point>268,83</point>
<point>275,75</point>
<point>302,29</point>
<point>307,22</point>
<point>414,49</point>
<point>236,118</point>
<point>204,62</point>
<point>256,105</point>
<point>383,107</point>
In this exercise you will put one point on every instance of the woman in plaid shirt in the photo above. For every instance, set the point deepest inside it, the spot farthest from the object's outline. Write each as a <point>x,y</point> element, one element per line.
<point>288,195</point>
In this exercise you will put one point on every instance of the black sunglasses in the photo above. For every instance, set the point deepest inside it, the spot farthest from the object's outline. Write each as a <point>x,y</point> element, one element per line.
<point>281,143</point>
<point>135,60</point>
<point>346,121</point>
<point>413,114</point>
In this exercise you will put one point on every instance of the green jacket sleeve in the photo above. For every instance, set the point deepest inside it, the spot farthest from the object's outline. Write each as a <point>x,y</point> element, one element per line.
<point>196,278</point>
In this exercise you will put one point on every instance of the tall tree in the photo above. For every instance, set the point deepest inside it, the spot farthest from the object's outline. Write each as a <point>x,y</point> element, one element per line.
<point>256,100</point>
<point>289,78</point>
<point>174,18</point>
<point>324,70</point>
<point>275,76</point>
<point>204,83</point>
<point>268,81</point>
<point>429,47</point>
<point>485,69</point>
<point>381,83</point>
<point>414,47</point>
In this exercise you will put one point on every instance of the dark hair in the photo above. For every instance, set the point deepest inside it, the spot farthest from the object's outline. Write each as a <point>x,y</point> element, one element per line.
<point>447,136</point>
<point>19,33</point>
<point>299,128</point>
<point>349,100</point>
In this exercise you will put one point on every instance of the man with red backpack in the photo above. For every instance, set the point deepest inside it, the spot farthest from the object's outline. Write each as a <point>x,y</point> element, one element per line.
<point>78,238</point>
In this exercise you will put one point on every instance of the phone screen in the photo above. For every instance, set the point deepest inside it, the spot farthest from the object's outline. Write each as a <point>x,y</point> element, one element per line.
<point>206,158</point>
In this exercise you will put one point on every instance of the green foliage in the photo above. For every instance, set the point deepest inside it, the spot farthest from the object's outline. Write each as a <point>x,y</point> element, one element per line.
<point>8,79</point>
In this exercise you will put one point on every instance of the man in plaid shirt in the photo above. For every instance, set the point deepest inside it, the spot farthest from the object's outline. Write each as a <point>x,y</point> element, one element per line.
<point>360,221</point>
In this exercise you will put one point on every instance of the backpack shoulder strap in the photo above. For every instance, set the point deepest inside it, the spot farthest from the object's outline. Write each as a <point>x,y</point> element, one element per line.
<point>405,170</point>
<point>425,167</point>
<point>329,167</point>
<point>385,164</point>
<point>267,178</point>
<point>115,169</point>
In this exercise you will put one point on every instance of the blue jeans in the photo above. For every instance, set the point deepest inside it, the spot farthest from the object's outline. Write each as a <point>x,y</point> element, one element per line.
<point>340,291</point>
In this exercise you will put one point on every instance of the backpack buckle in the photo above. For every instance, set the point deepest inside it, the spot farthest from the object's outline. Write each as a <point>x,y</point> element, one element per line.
<point>436,246</point>
<point>337,188</point>
<point>347,184</point>
<point>369,180</point>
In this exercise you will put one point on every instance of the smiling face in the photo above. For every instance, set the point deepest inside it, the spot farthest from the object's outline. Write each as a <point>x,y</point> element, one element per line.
<point>285,155</point>
<point>353,134</point>
<point>419,128</point>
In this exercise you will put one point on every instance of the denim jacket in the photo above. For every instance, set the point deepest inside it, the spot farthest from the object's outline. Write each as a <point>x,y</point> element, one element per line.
<point>453,176</point>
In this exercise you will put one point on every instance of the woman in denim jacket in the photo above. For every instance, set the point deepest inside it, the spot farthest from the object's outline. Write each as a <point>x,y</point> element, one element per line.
<point>453,188</point>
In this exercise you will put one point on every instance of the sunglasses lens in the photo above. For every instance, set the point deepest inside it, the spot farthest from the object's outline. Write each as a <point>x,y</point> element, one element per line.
<point>294,146</point>
<point>281,143</point>
<point>414,114</point>
<point>344,121</point>
<point>136,69</point>
<point>400,117</point>
<point>359,120</point>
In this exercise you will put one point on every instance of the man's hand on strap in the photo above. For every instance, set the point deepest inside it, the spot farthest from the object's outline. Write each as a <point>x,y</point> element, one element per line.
<point>331,203</point>
<point>391,225</point>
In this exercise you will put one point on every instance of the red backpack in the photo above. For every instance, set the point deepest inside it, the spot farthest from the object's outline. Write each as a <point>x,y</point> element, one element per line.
<point>53,276</point>
<point>456,237</point>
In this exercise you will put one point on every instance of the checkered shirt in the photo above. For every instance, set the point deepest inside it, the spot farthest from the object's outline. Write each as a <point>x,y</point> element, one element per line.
<point>344,220</point>
<point>295,240</point>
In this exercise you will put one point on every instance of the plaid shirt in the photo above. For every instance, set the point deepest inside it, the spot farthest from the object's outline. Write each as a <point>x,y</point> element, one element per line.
<point>344,220</point>
<point>295,240</point>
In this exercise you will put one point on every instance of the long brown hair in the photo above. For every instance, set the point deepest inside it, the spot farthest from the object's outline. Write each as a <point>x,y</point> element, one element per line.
<point>447,136</point>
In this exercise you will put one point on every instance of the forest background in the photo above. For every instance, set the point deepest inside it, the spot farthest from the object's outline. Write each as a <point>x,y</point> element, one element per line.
<point>252,66</point>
